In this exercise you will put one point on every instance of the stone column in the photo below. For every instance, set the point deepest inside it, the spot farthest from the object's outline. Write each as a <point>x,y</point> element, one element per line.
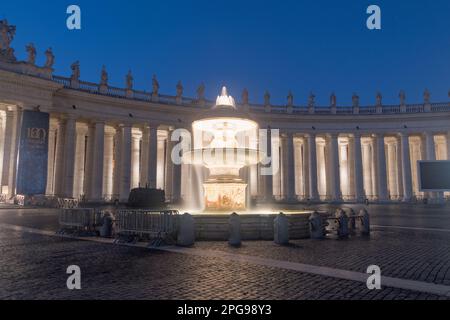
<point>14,152</point>
<point>334,168</point>
<point>108,164</point>
<point>8,138</point>
<point>169,167</point>
<point>97,166</point>
<point>152,156</point>
<point>399,167</point>
<point>51,160</point>
<point>176,174</point>
<point>268,183</point>
<point>143,174</point>
<point>135,144</point>
<point>312,160</point>
<point>447,138</point>
<point>117,162</point>
<point>59,158</point>
<point>69,156</point>
<point>125,183</point>
<point>161,163</point>
<point>88,176</point>
<point>430,154</point>
<point>359,179</point>
<point>290,169</point>
<point>351,167</point>
<point>381,168</point>
<point>406,167</point>
<point>392,170</point>
<point>79,162</point>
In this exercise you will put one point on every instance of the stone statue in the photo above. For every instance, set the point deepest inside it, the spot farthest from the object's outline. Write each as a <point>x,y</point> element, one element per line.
<point>75,70</point>
<point>155,85</point>
<point>290,99</point>
<point>355,100</point>
<point>129,80</point>
<point>402,97</point>
<point>201,91</point>
<point>179,89</point>
<point>31,53</point>
<point>50,58</point>
<point>245,96</point>
<point>333,100</point>
<point>104,77</point>
<point>267,98</point>
<point>311,99</point>
<point>426,96</point>
<point>7,33</point>
<point>379,99</point>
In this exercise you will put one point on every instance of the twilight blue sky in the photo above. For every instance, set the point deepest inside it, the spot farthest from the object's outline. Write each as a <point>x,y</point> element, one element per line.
<point>320,45</point>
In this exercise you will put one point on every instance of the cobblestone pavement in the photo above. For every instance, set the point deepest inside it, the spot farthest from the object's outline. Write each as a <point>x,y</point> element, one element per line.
<point>33,266</point>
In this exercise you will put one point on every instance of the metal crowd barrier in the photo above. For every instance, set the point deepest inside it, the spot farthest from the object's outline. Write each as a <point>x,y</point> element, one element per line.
<point>77,220</point>
<point>67,203</point>
<point>155,226</point>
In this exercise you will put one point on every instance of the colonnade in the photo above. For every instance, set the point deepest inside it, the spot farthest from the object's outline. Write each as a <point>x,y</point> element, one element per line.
<point>101,160</point>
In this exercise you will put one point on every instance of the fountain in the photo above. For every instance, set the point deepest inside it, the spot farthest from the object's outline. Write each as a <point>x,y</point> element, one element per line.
<point>225,141</point>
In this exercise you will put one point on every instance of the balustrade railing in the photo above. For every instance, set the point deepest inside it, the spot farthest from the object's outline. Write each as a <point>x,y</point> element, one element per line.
<point>191,102</point>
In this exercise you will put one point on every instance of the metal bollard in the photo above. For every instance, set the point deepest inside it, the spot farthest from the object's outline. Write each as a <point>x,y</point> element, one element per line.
<point>186,231</point>
<point>364,222</point>
<point>235,230</point>
<point>316,228</point>
<point>281,229</point>
<point>342,230</point>
<point>107,225</point>
<point>352,222</point>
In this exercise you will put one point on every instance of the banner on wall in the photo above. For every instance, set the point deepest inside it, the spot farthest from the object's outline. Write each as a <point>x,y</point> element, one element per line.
<point>33,153</point>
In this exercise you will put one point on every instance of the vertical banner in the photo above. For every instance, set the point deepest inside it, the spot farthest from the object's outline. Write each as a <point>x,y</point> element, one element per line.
<point>33,153</point>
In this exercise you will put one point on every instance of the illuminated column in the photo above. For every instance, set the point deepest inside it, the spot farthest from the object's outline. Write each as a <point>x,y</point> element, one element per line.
<point>8,138</point>
<point>358,166</point>
<point>169,167</point>
<point>344,173</point>
<point>406,167</point>
<point>88,173</point>
<point>268,184</point>
<point>398,150</point>
<point>59,158</point>
<point>79,161</point>
<point>97,167</point>
<point>160,165</point>
<point>143,172</point>
<point>381,168</point>
<point>392,169</point>
<point>176,169</point>
<point>14,152</point>
<point>351,167</point>
<point>51,159</point>
<point>108,163</point>
<point>135,143</point>
<point>289,175</point>
<point>152,156</point>
<point>69,156</point>
<point>430,154</point>
<point>447,138</point>
<point>367,164</point>
<point>298,169</point>
<point>334,175</point>
<point>312,161</point>
<point>125,181</point>
<point>117,162</point>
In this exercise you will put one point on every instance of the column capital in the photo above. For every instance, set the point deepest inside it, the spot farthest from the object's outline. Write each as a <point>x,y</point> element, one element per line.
<point>332,135</point>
